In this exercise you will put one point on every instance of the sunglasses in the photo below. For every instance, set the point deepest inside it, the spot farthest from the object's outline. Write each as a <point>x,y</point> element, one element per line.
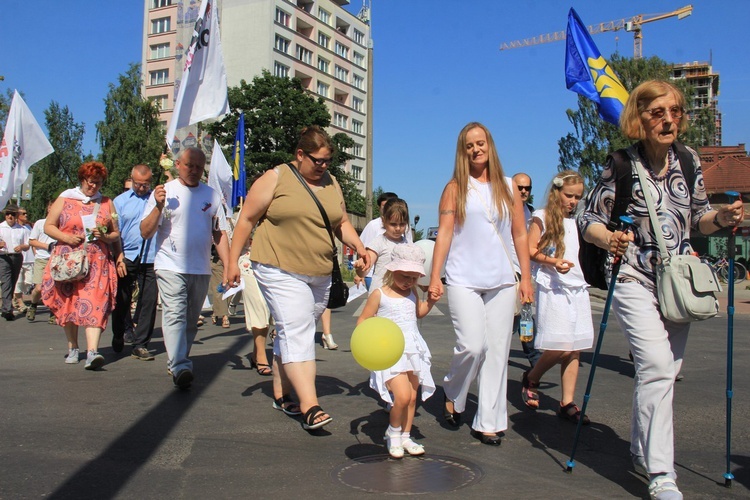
<point>319,162</point>
<point>524,188</point>
<point>658,113</point>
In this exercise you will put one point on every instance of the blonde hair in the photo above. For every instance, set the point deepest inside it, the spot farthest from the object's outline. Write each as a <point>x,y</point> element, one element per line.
<point>388,281</point>
<point>645,93</point>
<point>554,230</point>
<point>501,193</point>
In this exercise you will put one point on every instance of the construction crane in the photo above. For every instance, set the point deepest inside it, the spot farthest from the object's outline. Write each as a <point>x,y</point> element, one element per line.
<point>633,24</point>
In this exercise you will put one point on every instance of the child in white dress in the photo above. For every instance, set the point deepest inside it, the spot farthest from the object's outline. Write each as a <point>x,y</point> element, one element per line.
<point>397,300</point>
<point>563,309</point>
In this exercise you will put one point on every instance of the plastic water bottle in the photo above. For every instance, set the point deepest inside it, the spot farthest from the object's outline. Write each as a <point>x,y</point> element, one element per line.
<point>221,288</point>
<point>527,323</point>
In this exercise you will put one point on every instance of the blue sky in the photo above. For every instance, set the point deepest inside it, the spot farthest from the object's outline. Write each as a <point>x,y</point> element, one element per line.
<point>436,67</point>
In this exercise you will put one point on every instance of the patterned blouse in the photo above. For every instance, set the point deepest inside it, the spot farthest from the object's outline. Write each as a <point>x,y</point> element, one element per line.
<point>678,213</point>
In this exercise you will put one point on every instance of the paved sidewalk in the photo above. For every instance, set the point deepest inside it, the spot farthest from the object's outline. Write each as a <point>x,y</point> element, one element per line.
<point>125,432</point>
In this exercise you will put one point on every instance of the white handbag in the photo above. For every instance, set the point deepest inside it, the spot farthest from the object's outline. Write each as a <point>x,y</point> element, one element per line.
<point>686,286</point>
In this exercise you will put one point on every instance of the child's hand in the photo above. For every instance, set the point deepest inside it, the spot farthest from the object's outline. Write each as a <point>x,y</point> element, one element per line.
<point>359,267</point>
<point>563,266</point>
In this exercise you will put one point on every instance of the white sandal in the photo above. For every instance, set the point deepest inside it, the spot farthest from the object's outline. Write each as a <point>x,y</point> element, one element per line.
<point>393,450</point>
<point>663,488</point>
<point>412,448</point>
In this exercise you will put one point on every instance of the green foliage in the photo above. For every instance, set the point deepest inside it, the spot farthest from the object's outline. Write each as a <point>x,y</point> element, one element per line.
<point>130,133</point>
<point>60,169</point>
<point>276,109</point>
<point>586,148</point>
<point>5,101</point>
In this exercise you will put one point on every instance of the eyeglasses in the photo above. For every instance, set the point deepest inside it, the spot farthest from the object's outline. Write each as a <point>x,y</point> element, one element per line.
<point>94,182</point>
<point>524,188</point>
<point>21,213</point>
<point>319,162</point>
<point>141,185</point>
<point>675,112</point>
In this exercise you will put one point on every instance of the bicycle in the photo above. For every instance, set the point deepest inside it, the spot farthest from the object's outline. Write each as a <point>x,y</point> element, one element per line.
<point>721,268</point>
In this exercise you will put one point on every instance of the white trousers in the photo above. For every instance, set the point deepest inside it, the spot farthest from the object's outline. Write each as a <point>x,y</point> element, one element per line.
<point>658,347</point>
<point>483,321</point>
<point>296,302</point>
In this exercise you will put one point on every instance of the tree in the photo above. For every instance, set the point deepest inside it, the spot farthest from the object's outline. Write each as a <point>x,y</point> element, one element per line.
<point>5,101</point>
<point>130,133</point>
<point>58,170</point>
<point>276,109</point>
<point>586,148</point>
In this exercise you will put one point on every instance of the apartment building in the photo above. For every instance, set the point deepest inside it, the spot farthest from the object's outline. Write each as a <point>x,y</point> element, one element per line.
<point>706,83</point>
<point>317,41</point>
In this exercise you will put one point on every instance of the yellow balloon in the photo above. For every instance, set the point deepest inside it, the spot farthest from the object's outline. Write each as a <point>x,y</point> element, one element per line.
<point>377,343</point>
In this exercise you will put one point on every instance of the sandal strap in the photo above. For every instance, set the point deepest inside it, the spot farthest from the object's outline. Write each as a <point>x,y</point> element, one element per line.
<point>312,413</point>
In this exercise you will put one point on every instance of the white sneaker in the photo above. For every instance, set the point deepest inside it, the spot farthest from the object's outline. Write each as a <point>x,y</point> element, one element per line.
<point>94,360</point>
<point>72,357</point>
<point>664,487</point>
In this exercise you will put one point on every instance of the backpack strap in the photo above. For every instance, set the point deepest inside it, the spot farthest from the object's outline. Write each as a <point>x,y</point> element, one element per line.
<point>687,164</point>
<point>623,186</point>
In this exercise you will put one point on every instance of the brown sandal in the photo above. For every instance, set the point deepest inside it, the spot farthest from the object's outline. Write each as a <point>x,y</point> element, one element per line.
<point>528,391</point>
<point>225,322</point>
<point>571,412</point>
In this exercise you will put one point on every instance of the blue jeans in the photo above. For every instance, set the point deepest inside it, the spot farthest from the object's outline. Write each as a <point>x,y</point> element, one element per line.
<point>182,297</point>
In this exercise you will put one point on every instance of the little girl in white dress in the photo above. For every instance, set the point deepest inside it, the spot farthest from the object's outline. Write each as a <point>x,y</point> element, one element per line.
<point>397,300</point>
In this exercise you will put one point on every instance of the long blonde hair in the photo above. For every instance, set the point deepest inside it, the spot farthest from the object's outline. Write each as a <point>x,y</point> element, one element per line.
<point>501,193</point>
<point>554,230</point>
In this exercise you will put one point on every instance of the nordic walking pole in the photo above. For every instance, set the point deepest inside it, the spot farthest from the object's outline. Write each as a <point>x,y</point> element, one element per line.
<point>625,223</point>
<point>728,476</point>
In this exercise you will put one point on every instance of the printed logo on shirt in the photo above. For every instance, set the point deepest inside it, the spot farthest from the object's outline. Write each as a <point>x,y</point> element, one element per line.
<point>206,206</point>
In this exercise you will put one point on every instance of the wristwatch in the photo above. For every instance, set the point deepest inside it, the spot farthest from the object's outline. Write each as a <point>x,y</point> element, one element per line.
<point>716,220</point>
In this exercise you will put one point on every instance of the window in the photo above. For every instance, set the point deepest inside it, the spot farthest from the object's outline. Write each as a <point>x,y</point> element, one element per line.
<point>357,150</point>
<point>359,59</point>
<point>161,25</point>
<point>323,89</point>
<point>359,37</point>
<point>342,50</point>
<point>323,65</point>
<point>282,17</point>
<point>341,74</point>
<point>358,82</point>
<point>159,51</point>
<point>324,16</point>
<point>161,101</point>
<point>281,44</point>
<point>159,77</point>
<point>155,4</point>
<point>304,55</point>
<point>324,40</point>
<point>340,120</point>
<point>357,172</point>
<point>356,126</point>
<point>280,70</point>
<point>358,104</point>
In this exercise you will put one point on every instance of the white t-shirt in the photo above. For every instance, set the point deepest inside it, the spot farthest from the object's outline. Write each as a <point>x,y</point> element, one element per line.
<point>13,237</point>
<point>372,230</point>
<point>383,247</point>
<point>184,235</point>
<point>28,255</point>
<point>37,233</point>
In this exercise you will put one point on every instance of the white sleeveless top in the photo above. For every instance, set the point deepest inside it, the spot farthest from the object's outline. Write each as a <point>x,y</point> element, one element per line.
<point>476,258</point>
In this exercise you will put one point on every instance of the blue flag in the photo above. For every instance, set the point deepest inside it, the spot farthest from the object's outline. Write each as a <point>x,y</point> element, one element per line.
<point>239,184</point>
<point>588,74</point>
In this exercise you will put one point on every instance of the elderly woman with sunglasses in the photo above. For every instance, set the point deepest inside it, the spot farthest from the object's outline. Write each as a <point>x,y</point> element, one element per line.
<point>292,262</point>
<point>653,116</point>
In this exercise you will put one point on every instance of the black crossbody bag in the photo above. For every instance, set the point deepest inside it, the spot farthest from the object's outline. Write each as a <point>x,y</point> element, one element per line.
<point>339,292</point>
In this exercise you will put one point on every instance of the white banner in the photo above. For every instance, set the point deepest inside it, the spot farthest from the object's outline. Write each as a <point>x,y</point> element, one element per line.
<point>23,144</point>
<point>203,88</point>
<point>220,177</point>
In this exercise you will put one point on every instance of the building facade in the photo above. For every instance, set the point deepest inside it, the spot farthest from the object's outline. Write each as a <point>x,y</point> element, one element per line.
<point>706,84</point>
<point>316,41</point>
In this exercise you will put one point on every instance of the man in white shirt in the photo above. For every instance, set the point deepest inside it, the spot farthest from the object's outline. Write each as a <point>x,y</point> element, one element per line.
<point>523,181</point>
<point>14,240</point>
<point>42,245</point>
<point>24,277</point>
<point>182,215</point>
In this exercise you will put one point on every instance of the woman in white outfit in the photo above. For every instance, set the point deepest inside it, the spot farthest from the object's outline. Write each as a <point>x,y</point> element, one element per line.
<point>654,114</point>
<point>481,217</point>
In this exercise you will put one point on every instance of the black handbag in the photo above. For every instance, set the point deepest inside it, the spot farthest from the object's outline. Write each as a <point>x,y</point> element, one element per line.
<point>339,292</point>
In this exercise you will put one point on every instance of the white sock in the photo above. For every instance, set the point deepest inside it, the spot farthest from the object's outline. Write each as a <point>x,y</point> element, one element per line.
<point>394,433</point>
<point>405,436</point>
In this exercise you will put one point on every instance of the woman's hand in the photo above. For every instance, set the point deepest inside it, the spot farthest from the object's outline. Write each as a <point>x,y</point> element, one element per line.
<point>435,290</point>
<point>562,266</point>
<point>526,290</point>
<point>618,242</point>
<point>232,274</point>
<point>71,239</point>
<point>731,215</point>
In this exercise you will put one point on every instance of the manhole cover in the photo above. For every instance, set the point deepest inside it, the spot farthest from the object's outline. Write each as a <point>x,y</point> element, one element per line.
<point>408,476</point>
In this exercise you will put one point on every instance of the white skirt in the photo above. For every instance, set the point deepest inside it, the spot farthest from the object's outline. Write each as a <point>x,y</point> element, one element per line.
<point>563,319</point>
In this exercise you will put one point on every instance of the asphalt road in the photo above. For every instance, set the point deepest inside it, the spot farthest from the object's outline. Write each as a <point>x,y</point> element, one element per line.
<point>126,432</point>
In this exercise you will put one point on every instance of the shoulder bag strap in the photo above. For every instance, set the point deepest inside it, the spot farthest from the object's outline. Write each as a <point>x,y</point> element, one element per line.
<point>643,178</point>
<point>320,207</point>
